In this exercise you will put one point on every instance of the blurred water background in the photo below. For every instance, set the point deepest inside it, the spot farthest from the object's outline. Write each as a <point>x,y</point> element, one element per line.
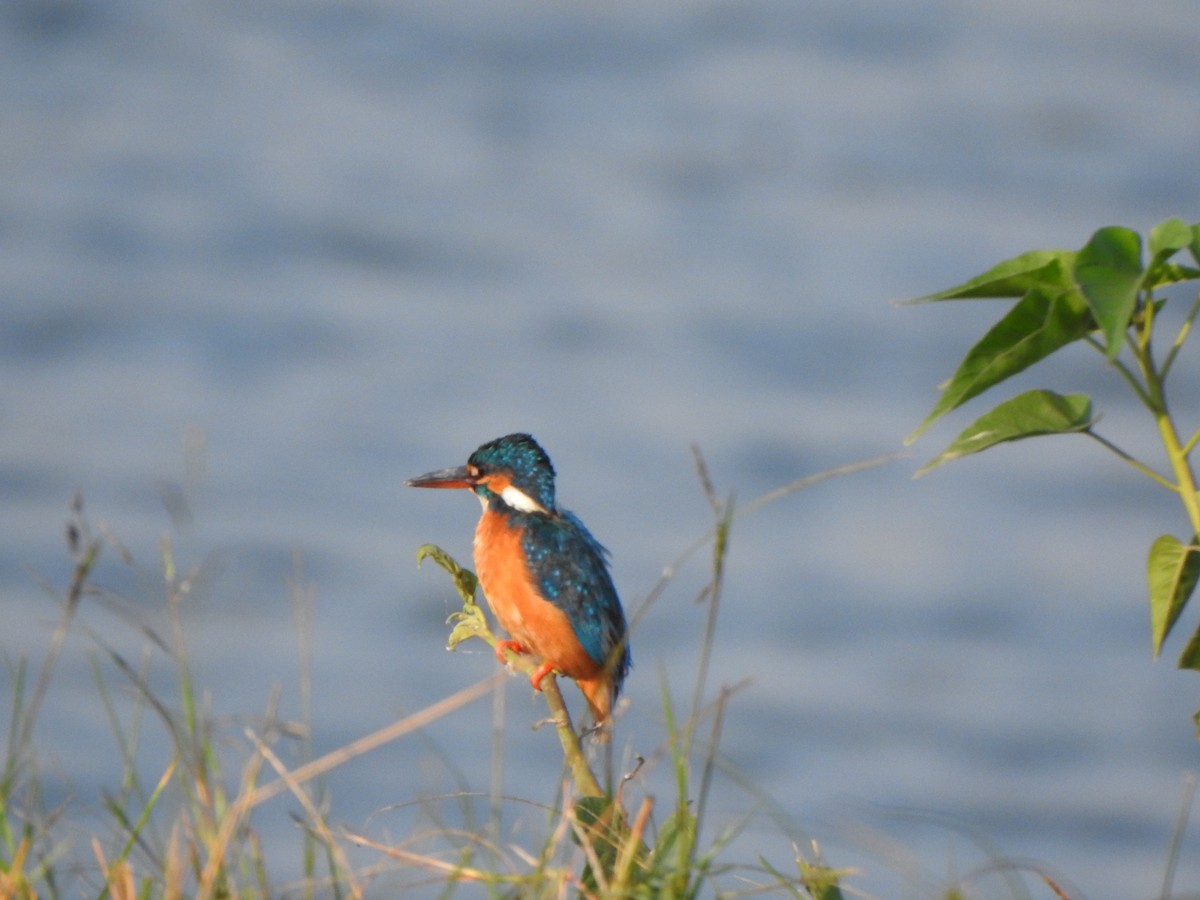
<point>262,260</point>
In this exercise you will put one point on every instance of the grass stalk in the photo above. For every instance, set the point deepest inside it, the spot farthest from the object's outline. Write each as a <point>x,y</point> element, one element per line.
<point>85,549</point>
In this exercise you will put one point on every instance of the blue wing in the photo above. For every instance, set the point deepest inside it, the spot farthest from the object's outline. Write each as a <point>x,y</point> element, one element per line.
<point>571,569</point>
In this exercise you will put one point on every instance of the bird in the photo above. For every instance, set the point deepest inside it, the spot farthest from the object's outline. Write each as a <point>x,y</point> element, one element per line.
<point>543,574</point>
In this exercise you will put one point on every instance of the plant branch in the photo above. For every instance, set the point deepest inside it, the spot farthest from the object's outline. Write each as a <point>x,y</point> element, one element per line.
<point>1122,369</point>
<point>573,755</point>
<point>1191,443</point>
<point>1182,335</point>
<point>581,772</point>
<point>1185,479</point>
<point>1133,461</point>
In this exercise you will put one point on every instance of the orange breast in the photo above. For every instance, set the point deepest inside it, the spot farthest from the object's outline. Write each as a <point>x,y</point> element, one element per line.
<point>510,592</point>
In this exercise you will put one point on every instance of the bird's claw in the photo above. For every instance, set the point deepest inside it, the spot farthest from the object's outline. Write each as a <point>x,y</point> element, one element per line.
<point>538,674</point>
<point>515,647</point>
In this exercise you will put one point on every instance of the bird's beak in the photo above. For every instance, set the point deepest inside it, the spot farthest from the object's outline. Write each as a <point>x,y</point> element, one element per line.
<point>443,478</point>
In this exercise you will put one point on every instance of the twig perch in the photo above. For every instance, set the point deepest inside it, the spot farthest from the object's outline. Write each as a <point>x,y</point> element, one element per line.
<point>471,622</point>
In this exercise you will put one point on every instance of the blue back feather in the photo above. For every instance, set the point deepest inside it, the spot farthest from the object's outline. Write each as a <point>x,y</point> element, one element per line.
<point>570,567</point>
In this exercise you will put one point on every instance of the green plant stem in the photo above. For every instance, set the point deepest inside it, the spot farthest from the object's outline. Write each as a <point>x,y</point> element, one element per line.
<point>1133,461</point>
<point>585,781</point>
<point>1181,336</point>
<point>1186,479</point>
<point>1122,369</point>
<point>1191,442</point>
<point>85,561</point>
<point>573,755</point>
<point>1177,454</point>
<point>1181,821</point>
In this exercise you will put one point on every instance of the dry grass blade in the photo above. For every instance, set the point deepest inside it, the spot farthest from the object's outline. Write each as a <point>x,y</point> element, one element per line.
<point>376,739</point>
<point>250,799</point>
<point>454,870</point>
<point>318,821</point>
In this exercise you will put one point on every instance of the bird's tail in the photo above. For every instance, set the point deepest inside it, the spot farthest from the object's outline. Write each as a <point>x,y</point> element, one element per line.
<point>598,692</point>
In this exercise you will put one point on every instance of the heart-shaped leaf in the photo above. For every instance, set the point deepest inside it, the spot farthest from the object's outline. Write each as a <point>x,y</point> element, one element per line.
<point>1108,271</point>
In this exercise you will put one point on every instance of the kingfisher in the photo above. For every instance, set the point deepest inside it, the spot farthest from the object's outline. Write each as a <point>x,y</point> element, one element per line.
<point>544,576</point>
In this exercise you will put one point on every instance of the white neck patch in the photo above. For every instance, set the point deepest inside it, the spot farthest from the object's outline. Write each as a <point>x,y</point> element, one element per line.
<point>519,500</point>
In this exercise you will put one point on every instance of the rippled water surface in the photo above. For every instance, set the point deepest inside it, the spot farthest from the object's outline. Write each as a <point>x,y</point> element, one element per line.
<point>264,260</point>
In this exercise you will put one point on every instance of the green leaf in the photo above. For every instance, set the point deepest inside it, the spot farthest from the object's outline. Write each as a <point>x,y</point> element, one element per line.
<point>1168,273</point>
<point>1166,238</point>
<point>1190,657</point>
<point>1194,246</point>
<point>821,881</point>
<point>469,623</point>
<point>679,828</point>
<point>465,581</point>
<point>1026,415</point>
<point>1108,271</point>
<point>591,811</point>
<point>1038,324</point>
<point>1172,570</point>
<point>783,882</point>
<point>603,827</point>
<point>1014,277</point>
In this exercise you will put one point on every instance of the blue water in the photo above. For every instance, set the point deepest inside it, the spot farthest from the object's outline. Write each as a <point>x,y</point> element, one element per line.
<point>273,258</point>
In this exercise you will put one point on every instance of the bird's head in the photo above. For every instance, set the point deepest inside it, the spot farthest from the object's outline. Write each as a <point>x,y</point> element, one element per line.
<point>514,469</point>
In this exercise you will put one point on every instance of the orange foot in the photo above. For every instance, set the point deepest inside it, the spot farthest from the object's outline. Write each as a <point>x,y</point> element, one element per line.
<point>539,673</point>
<point>515,646</point>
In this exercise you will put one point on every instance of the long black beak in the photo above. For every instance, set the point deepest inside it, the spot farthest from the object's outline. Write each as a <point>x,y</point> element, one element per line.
<point>443,478</point>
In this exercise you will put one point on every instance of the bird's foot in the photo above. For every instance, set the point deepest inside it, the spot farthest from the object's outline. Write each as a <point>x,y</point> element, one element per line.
<point>600,732</point>
<point>539,673</point>
<point>515,646</point>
